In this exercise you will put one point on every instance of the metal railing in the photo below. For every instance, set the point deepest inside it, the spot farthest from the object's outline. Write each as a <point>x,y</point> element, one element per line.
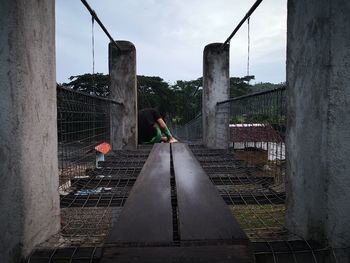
<point>83,121</point>
<point>257,125</point>
<point>191,132</point>
<point>257,131</point>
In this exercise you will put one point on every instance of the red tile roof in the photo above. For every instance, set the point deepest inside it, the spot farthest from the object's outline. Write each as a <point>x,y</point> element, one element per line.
<point>254,133</point>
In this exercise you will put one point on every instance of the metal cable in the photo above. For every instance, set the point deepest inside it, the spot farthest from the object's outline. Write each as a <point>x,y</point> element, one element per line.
<point>251,10</point>
<point>93,45</point>
<point>94,15</point>
<point>248,22</point>
<point>93,54</point>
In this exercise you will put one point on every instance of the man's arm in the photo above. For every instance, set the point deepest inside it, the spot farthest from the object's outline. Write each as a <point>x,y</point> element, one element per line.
<point>161,123</point>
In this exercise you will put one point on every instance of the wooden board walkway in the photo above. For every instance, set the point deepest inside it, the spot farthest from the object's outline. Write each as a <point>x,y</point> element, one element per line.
<point>207,231</point>
<point>147,214</point>
<point>203,254</point>
<point>203,214</point>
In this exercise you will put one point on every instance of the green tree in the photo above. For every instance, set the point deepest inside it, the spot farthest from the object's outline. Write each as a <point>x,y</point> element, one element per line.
<point>93,84</point>
<point>265,86</point>
<point>154,92</point>
<point>240,86</point>
<point>188,100</point>
<point>180,102</point>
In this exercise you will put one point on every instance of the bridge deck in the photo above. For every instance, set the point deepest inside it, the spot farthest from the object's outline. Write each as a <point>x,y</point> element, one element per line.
<point>147,214</point>
<point>203,214</point>
<point>94,201</point>
<point>195,224</point>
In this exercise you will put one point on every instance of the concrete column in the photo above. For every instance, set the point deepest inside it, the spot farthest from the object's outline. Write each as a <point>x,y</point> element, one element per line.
<point>123,87</point>
<point>216,82</point>
<point>318,133</point>
<point>29,200</point>
<point>222,126</point>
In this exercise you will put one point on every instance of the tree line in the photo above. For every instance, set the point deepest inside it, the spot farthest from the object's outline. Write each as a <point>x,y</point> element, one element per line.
<point>179,102</point>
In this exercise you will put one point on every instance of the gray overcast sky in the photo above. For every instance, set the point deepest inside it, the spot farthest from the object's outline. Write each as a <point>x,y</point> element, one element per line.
<point>170,36</point>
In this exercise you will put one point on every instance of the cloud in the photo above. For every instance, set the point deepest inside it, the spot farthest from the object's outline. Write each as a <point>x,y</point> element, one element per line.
<point>170,36</point>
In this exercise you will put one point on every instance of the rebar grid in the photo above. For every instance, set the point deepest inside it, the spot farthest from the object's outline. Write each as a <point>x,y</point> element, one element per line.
<point>89,207</point>
<point>82,122</point>
<point>251,176</point>
<point>256,198</point>
<point>95,200</point>
<point>87,227</point>
<point>250,179</point>
<point>91,196</point>
<point>246,188</point>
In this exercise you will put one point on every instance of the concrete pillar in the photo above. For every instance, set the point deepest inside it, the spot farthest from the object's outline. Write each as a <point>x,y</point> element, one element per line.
<point>29,200</point>
<point>222,117</point>
<point>216,82</point>
<point>123,87</point>
<point>318,133</point>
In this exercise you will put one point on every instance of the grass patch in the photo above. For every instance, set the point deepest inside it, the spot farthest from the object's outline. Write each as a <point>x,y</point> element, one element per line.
<point>258,216</point>
<point>261,222</point>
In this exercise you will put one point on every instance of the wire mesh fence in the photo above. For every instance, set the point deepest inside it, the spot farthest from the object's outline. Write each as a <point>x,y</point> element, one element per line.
<point>91,193</point>
<point>255,187</point>
<point>251,176</point>
<point>191,132</point>
<point>83,122</point>
<point>257,132</point>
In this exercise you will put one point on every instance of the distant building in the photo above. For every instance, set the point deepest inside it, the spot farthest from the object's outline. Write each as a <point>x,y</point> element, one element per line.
<point>257,143</point>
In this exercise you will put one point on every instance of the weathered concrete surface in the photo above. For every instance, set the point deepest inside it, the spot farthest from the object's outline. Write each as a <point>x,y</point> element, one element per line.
<point>222,118</point>
<point>318,137</point>
<point>122,71</point>
<point>216,82</point>
<point>29,201</point>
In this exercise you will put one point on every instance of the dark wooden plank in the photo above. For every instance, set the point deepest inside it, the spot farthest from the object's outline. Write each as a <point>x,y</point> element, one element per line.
<point>147,214</point>
<point>203,254</point>
<point>203,214</point>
